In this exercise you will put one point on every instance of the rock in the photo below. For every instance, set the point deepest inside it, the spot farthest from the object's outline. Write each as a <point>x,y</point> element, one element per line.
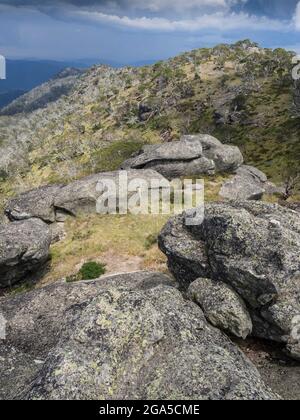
<point>225,157</point>
<point>222,307</point>
<point>253,247</point>
<point>190,168</point>
<point>55,203</point>
<point>24,249</point>
<point>125,337</point>
<point>296,94</point>
<point>82,196</point>
<point>35,203</point>
<point>294,205</point>
<point>248,184</point>
<point>192,155</point>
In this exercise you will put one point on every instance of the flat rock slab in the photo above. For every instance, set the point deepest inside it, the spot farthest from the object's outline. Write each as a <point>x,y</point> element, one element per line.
<point>55,203</point>
<point>126,337</point>
<point>253,247</point>
<point>192,155</point>
<point>24,249</point>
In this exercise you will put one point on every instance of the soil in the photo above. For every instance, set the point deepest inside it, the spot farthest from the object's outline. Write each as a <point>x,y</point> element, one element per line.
<point>278,371</point>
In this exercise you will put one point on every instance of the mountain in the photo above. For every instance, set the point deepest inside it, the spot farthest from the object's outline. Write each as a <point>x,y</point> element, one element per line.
<point>42,95</point>
<point>9,96</point>
<point>242,94</point>
<point>24,75</point>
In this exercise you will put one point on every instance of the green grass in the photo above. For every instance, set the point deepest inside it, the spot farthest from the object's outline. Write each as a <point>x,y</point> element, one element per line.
<point>110,158</point>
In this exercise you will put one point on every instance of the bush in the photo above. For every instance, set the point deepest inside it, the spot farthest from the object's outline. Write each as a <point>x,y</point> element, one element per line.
<point>150,241</point>
<point>92,270</point>
<point>89,271</point>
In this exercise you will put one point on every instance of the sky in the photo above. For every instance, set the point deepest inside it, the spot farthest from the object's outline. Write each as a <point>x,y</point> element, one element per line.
<point>131,31</point>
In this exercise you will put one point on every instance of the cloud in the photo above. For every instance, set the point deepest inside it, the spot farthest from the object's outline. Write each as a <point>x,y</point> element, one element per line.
<point>178,5</point>
<point>226,21</point>
<point>107,28</point>
<point>297,17</point>
<point>130,7</point>
<point>148,15</point>
<point>142,4</point>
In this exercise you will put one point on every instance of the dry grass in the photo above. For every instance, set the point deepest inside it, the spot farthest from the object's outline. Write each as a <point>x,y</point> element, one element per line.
<point>122,242</point>
<point>119,241</point>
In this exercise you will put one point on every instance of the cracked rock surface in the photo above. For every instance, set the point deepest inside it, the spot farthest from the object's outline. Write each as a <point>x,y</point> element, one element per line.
<point>130,336</point>
<point>24,249</point>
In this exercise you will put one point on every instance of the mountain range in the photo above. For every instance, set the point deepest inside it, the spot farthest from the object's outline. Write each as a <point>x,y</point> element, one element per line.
<point>82,122</point>
<point>24,75</point>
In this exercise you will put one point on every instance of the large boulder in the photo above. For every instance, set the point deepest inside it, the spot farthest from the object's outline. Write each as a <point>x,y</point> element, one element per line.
<point>249,183</point>
<point>192,155</point>
<point>253,247</point>
<point>82,196</point>
<point>37,203</point>
<point>55,203</point>
<point>24,249</point>
<point>129,336</point>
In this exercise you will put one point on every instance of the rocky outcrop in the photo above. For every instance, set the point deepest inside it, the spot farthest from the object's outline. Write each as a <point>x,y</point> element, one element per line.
<point>125,337</point>
<point>249,183</point>
<point>253,247</point>
<point>222,307</point>
<point>38,203</point>
<point>192,155</point>
<point>54,203</point>
<point>24,249</point>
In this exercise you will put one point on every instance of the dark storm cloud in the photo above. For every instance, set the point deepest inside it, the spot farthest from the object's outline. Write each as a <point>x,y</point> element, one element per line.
<point>51,2</point>
<point>69,29</point>
<point>281,9</point>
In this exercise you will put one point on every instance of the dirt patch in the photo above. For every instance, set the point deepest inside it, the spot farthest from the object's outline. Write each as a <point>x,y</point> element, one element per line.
<point>118,264</point>
<point>278,371</point>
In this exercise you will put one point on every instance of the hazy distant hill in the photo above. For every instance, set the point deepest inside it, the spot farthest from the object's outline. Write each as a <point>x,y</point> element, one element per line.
<point>7,97</point>
<point>24,75</point>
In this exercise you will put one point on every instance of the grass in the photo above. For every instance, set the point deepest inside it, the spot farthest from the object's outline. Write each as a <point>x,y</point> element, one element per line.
<point>109,239</point>
<point>17,289</point>
<point>129,241</point>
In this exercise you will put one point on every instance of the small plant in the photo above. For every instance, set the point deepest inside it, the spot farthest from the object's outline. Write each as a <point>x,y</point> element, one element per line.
<point>96,127</point>
<point>92,270</point>
<point>150,241</point>
<point>89,271</point>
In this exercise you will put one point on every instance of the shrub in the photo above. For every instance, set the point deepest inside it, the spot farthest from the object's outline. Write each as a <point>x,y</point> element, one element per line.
<point>92,270</point>
<point>150,241</point>
<point>89,271</point>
